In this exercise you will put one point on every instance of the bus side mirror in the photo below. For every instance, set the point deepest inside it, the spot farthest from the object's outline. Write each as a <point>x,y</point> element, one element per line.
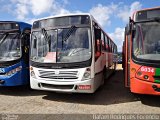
<point>34,43</point>
<point>128,29</point>
<point>24,35</point>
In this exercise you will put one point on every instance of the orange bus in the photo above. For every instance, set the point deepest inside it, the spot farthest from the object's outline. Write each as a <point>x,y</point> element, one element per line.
<point>141,52</point>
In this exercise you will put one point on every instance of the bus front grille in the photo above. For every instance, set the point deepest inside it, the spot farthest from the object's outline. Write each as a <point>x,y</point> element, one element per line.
<point>62,75</point>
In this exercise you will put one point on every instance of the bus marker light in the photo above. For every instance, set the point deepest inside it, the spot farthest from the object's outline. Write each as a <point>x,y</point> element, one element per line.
<point>84,87</point>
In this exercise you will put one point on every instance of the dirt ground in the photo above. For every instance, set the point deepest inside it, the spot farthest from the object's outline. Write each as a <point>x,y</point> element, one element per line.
<point>112,98</point>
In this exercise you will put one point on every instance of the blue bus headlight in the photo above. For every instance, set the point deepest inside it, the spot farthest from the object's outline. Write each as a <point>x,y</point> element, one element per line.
<point>18,69</point>
<point>14,71</point>
<point>8,73</point>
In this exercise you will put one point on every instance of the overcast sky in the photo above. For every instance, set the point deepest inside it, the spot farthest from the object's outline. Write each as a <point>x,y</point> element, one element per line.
<point>111,14</point>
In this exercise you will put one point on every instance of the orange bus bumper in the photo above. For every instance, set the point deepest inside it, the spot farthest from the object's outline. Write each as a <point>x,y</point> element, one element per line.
<point>144,87</point>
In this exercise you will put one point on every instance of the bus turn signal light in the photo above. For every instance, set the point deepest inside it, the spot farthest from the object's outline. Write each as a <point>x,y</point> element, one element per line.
<point>31,68</point>
<point>133,70</point>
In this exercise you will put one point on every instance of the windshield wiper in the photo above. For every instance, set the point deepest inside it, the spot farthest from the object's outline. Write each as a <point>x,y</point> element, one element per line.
<point>69,32</point>
<point>4,37</point>
<point>45,34</point>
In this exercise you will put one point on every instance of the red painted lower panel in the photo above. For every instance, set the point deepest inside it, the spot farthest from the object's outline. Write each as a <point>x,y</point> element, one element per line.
<point>143,87</point>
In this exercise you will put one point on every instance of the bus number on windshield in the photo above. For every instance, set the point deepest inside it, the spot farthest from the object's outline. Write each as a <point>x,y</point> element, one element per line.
<point>147,69</point>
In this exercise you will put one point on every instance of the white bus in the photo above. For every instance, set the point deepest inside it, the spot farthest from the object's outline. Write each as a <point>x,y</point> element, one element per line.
<point>70,53</point>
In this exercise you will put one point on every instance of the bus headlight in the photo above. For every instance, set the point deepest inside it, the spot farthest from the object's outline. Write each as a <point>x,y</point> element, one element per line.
<point>8,73</point>
<point>14,71</point>
<point>32,74</point>
<point>87,74</point>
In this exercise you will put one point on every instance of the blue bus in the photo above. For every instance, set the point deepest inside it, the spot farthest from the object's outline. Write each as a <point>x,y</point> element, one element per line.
<point>14,53</point>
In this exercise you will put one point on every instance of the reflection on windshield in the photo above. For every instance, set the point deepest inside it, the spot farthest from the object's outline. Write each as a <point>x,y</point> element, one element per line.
<point>9,46</point>
<point>146,44</point>
<point>66,46</point>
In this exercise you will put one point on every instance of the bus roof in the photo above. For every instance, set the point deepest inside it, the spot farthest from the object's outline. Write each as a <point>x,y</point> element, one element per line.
<point>65,15</point>
<point>22,25</point>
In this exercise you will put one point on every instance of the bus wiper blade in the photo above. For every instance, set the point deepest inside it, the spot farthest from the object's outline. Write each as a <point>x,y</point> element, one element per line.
<point>69,32</point>
<point>46,37</point>
<point>44,34</point>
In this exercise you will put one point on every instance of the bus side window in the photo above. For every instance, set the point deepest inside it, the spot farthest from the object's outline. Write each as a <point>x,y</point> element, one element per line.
<point>103,41</point>
<point>97,34</point>
<point>109,45</point>
<point>106,42</point>
<point>112,47</point>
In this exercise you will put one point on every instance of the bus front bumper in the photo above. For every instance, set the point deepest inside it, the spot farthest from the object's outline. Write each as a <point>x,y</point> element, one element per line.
<point>86,86</point>
<point>13,80</point>
<point>144,87</point>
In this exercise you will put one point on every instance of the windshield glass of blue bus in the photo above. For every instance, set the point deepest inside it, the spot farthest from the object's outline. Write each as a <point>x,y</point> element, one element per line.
<point>65,45</point>
<point>146,42</point>
<point>10,46</point>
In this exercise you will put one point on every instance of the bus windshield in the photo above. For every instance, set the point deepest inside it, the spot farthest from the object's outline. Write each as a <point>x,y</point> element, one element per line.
<point>9,46</point>
<point>146,42</point>
<point>65,45</point>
